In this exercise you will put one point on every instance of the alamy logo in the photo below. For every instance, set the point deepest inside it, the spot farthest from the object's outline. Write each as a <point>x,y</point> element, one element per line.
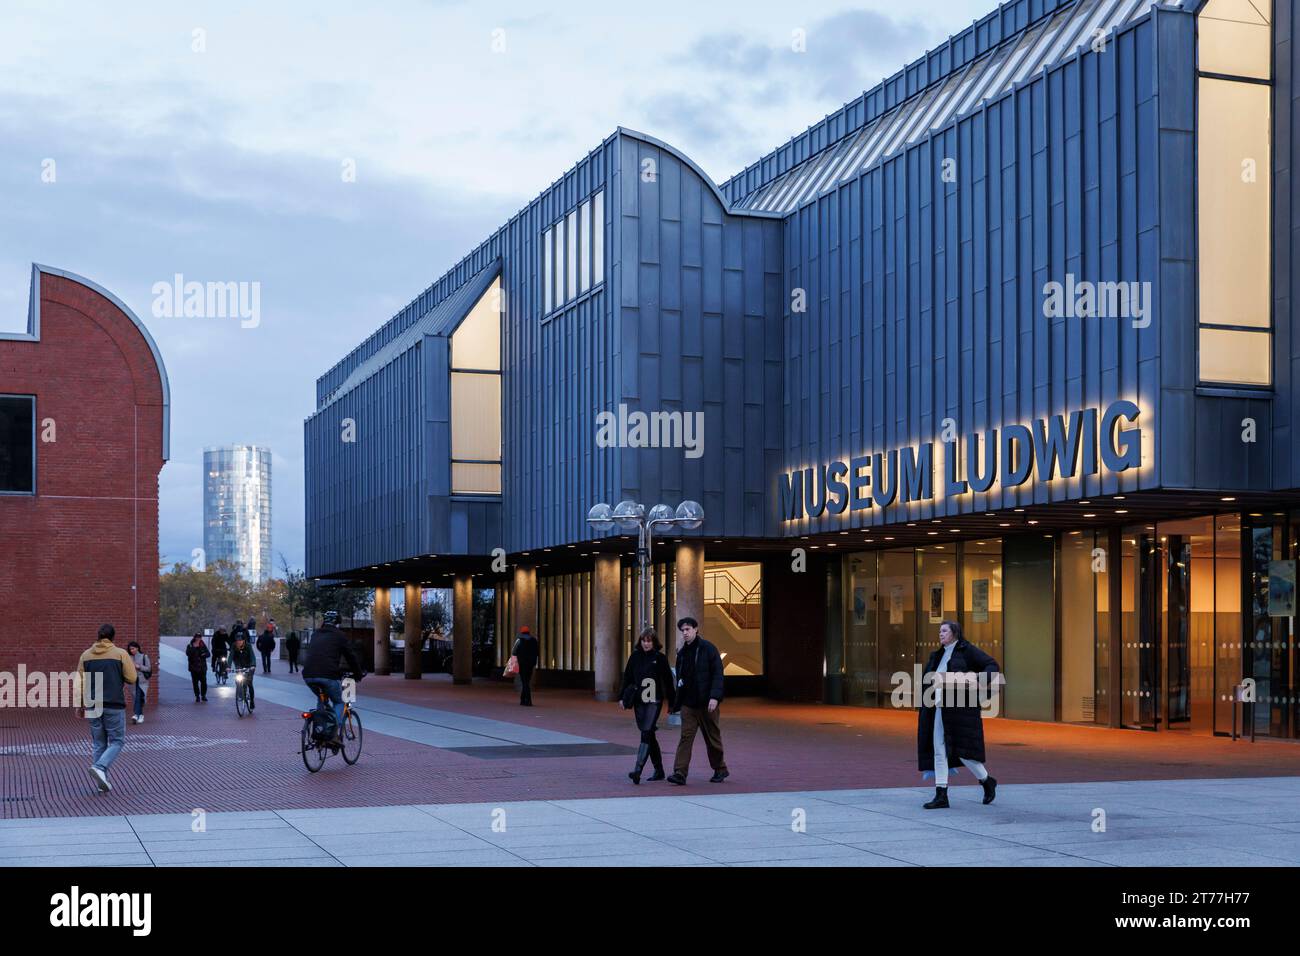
<point>39,689</point>
<point>651,430</point>
<point>1098,300</point>
<point>208,300</point>
<point>75,909</point>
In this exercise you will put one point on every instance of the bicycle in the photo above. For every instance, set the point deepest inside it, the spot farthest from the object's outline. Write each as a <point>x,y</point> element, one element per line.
<point>221,671</point>
<point>315,748</point>
<point>243,677</point>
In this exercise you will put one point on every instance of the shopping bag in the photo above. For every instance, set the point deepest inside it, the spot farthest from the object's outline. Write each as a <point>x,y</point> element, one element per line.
<point>512,667</point>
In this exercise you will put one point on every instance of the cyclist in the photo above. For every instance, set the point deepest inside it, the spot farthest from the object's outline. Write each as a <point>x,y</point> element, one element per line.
<point>220,648</point>
<point>242,658</point>
<point>324,670</point>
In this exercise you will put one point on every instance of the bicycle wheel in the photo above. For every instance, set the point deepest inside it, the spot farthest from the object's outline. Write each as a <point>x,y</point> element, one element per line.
<point>351,736</point>
<point>241,701</point>
<point>312,756</point>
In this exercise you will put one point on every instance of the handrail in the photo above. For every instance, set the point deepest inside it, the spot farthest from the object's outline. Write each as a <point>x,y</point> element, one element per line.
<point>747,595</point>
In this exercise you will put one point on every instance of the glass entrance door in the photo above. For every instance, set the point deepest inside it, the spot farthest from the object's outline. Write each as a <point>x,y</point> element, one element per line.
<point>1140,615</point>
<point>1169,625</point>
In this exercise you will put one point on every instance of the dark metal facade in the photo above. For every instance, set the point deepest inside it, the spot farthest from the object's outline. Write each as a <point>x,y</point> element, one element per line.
<point>923,279</point>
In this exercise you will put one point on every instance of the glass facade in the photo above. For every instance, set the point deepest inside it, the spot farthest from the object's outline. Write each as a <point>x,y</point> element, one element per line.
<point>476,398</point>
<point>1234,202</point>
<point>237,509</point>
<point>573,254</point>
<point>1137,627</point>
<point>733,615</point>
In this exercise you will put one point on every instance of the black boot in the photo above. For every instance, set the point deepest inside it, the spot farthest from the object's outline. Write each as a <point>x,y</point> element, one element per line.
<point>642,753</point>
<point>940,801</point>
<point>990,786</point>
<point>656,760</point>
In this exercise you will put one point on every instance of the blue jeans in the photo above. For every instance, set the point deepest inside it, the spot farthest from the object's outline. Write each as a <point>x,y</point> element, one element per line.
<point>332,689</point>
<point>139,702</point>
<point>108,734</point>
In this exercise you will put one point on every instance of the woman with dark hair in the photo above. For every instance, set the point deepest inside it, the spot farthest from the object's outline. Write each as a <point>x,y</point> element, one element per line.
<point>647,683</point>
<point>951,728</point>
<point>144,671</point>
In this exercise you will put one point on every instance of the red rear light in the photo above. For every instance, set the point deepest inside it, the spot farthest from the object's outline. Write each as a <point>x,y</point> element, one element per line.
<point>306,714</point>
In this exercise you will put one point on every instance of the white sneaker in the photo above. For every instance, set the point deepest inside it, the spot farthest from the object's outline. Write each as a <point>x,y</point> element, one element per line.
<point>101,779</point>
<point>140,719</point>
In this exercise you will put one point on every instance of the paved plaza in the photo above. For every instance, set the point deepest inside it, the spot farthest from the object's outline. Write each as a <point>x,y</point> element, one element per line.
<point>1252,822</point>
<point>462,775</point>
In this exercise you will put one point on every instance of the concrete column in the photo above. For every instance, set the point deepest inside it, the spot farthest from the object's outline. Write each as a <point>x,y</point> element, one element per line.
<point>411,633</point>
<point>462,629</point>
<point>524,598</point>
<point>607,594</point>
<point>383,617</point>
<point>689,579</point>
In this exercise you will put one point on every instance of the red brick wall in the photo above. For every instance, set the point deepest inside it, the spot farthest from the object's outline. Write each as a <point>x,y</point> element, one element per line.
<point>84,550</point>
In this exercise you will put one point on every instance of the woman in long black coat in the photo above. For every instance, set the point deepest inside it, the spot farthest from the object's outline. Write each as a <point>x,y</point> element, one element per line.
<point>647,683</point>
<point>945,733</point>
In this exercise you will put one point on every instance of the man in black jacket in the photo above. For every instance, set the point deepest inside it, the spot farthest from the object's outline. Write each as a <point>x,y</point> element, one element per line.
<point>323,669</point>
<point>699,697</point>
<point>265,645</point>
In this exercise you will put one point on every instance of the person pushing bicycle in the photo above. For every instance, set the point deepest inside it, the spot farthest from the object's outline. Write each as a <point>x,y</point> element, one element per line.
<point>323,670</point>
<point>242,658</point>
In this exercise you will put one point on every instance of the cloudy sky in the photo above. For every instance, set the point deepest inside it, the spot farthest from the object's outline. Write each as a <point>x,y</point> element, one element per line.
<point>210,139</point>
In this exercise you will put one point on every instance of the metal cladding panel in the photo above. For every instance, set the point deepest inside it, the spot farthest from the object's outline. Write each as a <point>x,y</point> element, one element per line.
<point>698,330</point>
<point>365,496</point>
<point>559,371</point>
<point>926,297</point>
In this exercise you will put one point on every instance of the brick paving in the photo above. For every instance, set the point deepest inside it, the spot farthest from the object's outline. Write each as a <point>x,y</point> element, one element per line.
<point>188,756</point>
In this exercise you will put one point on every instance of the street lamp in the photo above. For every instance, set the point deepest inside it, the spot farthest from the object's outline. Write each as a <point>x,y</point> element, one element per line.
<point>629,515</point>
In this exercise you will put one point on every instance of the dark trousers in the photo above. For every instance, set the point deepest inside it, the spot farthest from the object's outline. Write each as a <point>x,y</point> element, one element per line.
<point>526,685</point>
<point>647,719</point>
<point>293,661</point>
<point>266,662</point>
<point>696,720</point>
<point>200,681</point>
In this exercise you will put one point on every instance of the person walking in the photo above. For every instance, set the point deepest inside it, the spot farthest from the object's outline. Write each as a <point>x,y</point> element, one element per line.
<point>292,644</point>
<point>104,670</point>
<point>251,627</point>
<point>647,683</point>
<point>143,672</point>
<point>699,699</point>
<point>946,731</point>
<point>196,658</point>
<point>265,645</point>
<point>526,653</point>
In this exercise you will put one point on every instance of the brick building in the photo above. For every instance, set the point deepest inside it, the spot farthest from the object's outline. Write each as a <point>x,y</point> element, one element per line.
<point>84,423</point>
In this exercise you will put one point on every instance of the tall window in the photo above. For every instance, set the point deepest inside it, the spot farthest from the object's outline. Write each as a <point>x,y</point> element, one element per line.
<point>17,445</point>
<point>573,254</point>
<point>1234,166</point>
<point>476,398</point>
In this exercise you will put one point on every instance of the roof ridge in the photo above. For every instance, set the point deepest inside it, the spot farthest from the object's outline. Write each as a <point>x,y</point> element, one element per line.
<point>1007,20</point>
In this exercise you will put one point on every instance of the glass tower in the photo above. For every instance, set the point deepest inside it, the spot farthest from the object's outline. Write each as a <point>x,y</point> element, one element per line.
<point>237,508</point>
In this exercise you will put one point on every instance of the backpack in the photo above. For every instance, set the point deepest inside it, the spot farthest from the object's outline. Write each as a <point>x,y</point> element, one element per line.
<point>324,725</point>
